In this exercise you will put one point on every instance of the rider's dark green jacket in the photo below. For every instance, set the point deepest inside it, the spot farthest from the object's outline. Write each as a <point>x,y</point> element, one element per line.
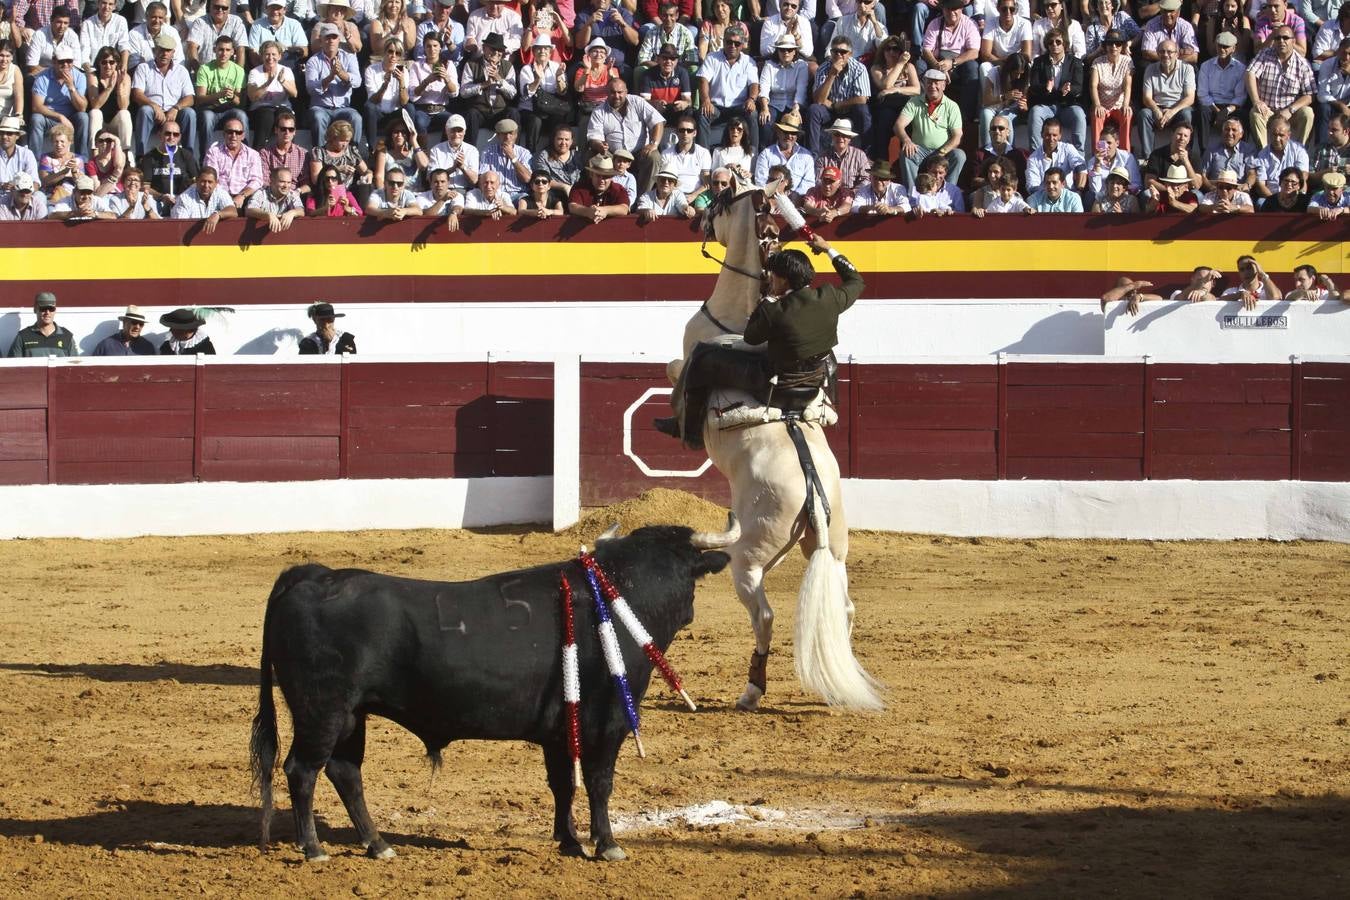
<point>804,324</point>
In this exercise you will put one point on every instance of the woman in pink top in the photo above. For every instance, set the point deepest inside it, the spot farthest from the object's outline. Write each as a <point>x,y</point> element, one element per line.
<point>330,198</point>
<point>1111,80</point>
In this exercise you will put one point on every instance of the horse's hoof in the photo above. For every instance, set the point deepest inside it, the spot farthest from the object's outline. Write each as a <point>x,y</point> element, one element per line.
<point>749,701</point>
<point>316,856</point>
<point>380,850</point>
<point>612,853</point>
<point>573,849</point>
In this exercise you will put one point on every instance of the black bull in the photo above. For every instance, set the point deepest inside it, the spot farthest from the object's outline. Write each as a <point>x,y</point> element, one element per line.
<point>455,661</point>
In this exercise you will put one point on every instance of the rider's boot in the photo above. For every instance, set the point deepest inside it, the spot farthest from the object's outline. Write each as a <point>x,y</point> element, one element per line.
<point>667,425</point>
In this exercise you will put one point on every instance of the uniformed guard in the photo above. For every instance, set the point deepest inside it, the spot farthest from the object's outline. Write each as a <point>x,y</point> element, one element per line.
<point>44,337</point>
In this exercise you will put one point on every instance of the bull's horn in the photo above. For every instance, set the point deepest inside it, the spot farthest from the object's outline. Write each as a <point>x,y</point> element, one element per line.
<point>712,540</point>
<point>610,534</point>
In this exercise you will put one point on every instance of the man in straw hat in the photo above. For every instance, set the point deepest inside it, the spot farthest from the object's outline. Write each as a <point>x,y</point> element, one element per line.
<point>788,153</point>
<point>1227,196</point>
<point>664,199</point>
<point>44,337</point>
<point>882,195</point>
<point>1115,196</point>
<point>127,341</point>
<point>14,158</point>
<point>1172,193</point>
<point>596,197</point>
<point>844,155</point>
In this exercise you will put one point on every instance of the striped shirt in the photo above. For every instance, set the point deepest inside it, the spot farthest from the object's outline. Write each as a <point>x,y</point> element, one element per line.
<point>854,82</point>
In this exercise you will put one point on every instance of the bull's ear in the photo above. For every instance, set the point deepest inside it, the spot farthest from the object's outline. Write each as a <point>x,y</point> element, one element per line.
<point>710,562</point>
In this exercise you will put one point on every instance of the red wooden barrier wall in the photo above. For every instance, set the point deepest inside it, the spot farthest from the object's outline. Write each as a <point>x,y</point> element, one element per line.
<point>1037,420</point>
<point>100,424</point>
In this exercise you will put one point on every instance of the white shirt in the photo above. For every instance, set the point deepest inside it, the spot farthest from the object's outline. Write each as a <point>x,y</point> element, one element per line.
<point>896,197</point>
<point>274,93</point>
<point>932,202</point>
<point>1066,157</point>
<point>774,27</point>
<point>783,86</point>
<point>728,83</point>
<point>41,47</point>
<point>455,201</point>
<point>508,25</point>
<point>1006,43</point>
<point>190,205</point>
<point>94,36</point>
<point>375,78</point>
<point>1239,198</point>
<point>478,201</point>
<point>689,166</point>
<point>997,204</point>
<point>437,92</point>
<point>674,205</point>
<point>381,200</point>
<point>442,156</point>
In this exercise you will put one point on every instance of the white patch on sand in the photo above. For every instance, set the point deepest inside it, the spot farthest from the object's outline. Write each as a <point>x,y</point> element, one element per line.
<point>719,812</point>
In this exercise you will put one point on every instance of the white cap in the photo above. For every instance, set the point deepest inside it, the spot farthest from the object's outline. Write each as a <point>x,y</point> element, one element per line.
<point>455,121</point>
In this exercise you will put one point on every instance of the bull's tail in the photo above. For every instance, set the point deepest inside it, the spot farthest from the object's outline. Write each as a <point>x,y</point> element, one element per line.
<point>263,739</point>
<point>823,649</point>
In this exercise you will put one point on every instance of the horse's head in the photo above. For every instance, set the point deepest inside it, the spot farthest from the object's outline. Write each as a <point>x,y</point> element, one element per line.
<point>740,211</point>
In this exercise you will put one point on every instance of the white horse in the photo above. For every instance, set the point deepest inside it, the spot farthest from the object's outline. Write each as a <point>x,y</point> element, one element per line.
<point>769,491</point>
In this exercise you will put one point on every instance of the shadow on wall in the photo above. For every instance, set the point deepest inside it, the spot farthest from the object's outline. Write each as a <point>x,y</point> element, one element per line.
<point>1066,332</point>
<point>10,323</point>
<point>276,342</point>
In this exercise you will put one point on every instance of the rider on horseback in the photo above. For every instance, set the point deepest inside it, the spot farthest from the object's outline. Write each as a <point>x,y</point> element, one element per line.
<point>798,323</point>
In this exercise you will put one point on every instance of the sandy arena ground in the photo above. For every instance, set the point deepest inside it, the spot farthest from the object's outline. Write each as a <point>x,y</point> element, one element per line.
<point>1066,718</point>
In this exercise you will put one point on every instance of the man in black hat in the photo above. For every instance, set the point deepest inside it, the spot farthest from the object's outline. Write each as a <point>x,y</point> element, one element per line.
<point>800,323</point>
<point>128,340</point>
<point>488,87</point>
<point>326,339</point>
<point>44,337</point>
<point>185,337</point>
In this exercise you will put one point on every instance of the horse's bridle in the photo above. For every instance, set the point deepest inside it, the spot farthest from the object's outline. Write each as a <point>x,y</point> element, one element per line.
<point>768,240</point>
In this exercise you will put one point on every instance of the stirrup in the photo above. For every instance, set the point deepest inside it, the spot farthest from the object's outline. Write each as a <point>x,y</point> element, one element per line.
<point>667,425</point>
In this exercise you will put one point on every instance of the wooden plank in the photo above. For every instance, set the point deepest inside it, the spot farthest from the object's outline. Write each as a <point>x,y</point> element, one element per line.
<point>368,373</point>
<point>1325,443</point>
<point>127,472</point>
<point>1268,442</point>
<point>268,469</point>
<point>23,421</point>
<point>1221,416</point>
<point>521,463</point>
<point>1330,370</point>
<point>403,416</point>
<point>530,380</point>
<point>401,465</point>
<point>271,395</point>
<point>319,421</point>
<point>120,449</point>
<point>1073,396</point>
<point>1066,421</point>
<point>22,388</point>
<point>96,374</point>
<point>595,371</point>
<point>412,392</point>
<point>90,423</point>
<point>1221,468</point>
<point>927,440</point>
<point>924,373</point>
<point>120,395</point>
<point>264,449</point>
<point>1076,445</point>
<point>23,445</point>
<point>23,471</point>
<point>983,466</point>
<point>281,373</point>
<point>1075,373</point>
<point>1175,390</point>
<point>410,440</point>
<point>1315,467</point>
<point>982,416</point>
<point>1326,391</point>
<point>1327,417</point>
<point>888,393</point>
<point>1073,469</point>
<point>1222,373</point>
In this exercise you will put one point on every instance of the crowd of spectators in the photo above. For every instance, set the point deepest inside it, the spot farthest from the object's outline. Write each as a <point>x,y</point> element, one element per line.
<point>115,109</point>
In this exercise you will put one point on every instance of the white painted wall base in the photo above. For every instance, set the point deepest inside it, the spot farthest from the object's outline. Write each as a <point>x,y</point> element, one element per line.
<point>132,510</point>
<point>1163,510</point>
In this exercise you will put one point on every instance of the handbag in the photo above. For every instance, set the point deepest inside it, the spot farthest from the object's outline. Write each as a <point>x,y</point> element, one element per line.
<point>553,106</point>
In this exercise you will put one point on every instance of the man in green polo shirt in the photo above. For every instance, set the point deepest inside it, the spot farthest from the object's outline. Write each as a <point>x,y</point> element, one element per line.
<point>931,123</point>
<point>220,93</point>
<point>44,337</point>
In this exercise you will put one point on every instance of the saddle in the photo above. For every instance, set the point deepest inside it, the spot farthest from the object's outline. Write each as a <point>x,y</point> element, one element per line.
<point>718,365</point>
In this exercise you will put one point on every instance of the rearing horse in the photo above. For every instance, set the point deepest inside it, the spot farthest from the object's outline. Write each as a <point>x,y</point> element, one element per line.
<point>769,490</point>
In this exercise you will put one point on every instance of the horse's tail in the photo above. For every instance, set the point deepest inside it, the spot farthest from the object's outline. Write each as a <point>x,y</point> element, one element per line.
<point>823,653</point>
